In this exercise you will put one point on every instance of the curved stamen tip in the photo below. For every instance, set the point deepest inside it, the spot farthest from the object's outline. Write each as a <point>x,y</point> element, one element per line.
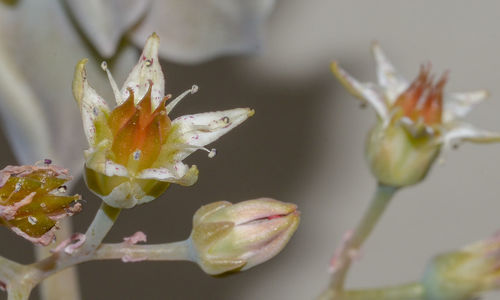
<point>194,89</point>
<point>212,153</point>
<point>104,66</point>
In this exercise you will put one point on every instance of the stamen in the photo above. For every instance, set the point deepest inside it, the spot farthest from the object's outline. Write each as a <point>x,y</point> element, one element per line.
<point>174,102</point>
<point>211,153</point>
<point>114,86</point>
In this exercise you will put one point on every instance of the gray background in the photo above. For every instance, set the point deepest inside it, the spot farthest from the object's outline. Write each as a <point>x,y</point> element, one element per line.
<point>305,145</point>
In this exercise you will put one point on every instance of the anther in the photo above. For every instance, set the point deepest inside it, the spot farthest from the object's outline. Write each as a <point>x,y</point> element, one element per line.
<point>137,154</point>
<point>104,66</point>
<point>32,220</point>
<point>212,153</point>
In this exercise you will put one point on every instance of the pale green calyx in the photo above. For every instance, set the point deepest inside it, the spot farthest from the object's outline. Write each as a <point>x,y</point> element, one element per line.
<point>231,238</point>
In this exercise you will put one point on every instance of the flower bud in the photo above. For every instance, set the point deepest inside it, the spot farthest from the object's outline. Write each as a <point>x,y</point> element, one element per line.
<point>235,237</point>
<point>397,157</point>
<point>466,273</point>
<point>32,201</point>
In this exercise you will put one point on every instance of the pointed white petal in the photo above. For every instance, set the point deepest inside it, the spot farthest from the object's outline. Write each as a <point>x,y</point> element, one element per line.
<point>147,70</point>
<point>467,132</point>
<point>178,173</point>
<point>195,131</point>
<point>105,21</point>
<point>91,104</point>
<point>458,105</point>
<point>364,92</point>
<point>392,82</point>
<point>200,30</point>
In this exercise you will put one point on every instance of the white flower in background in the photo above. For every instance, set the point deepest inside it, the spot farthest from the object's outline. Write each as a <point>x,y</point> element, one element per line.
<point>415,120</point>
<point>136,151</point>
<point>193,30</point>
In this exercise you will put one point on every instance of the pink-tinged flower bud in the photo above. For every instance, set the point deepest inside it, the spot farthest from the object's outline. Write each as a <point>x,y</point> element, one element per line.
<point>235,237</point>
<point>464,274</point>
<point>32,200</point>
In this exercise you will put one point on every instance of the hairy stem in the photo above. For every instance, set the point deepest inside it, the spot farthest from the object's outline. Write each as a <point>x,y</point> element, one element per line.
<point>343,259</point>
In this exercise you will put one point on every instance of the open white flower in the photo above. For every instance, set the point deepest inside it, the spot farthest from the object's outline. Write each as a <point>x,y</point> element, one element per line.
<point>415,120</point>
<point>136,151</point>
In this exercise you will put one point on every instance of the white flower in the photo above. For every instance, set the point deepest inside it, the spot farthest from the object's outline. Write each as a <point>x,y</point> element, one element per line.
<point>386,98</point>
<point>39,40</point>
<point>135,149</point>
<point>415,120</point>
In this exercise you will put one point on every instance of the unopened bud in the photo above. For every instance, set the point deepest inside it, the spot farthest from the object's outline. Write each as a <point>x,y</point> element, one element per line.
<point>235,237</point>
<point>464,274</point>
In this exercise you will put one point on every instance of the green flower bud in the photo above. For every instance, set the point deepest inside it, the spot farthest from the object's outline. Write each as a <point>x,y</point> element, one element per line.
<point>231,238</point>
<point>464,274</point>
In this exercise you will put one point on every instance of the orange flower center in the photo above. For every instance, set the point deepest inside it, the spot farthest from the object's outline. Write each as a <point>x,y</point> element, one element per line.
<point>138,131</point>
<point>423,100</point>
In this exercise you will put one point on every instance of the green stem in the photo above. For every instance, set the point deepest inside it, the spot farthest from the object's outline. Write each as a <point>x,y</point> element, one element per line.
<point>412,291</point>
<point>33,274</point>
<point>168,251</point>
<point>381,199</point>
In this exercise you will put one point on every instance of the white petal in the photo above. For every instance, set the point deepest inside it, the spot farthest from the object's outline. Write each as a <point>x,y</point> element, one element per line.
<point>40,48</point>
<point>91,104</point>
<point>365,92</point>
<point>388,78</point>
<point>147,70</point>
<point>467,132</point>
<point>178,173</point>
<point>195,131</point>
<point>458,105</point>
<point>105,21</point>
<point>200,30</point>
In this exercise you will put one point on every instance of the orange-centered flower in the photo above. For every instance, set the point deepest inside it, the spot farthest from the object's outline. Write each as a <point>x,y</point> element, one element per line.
<point>415,120</point>
<point>423,100</point>
<point>136,150</point>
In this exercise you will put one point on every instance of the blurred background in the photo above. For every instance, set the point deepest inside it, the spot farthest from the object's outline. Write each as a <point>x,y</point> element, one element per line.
<point>305,145</point>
